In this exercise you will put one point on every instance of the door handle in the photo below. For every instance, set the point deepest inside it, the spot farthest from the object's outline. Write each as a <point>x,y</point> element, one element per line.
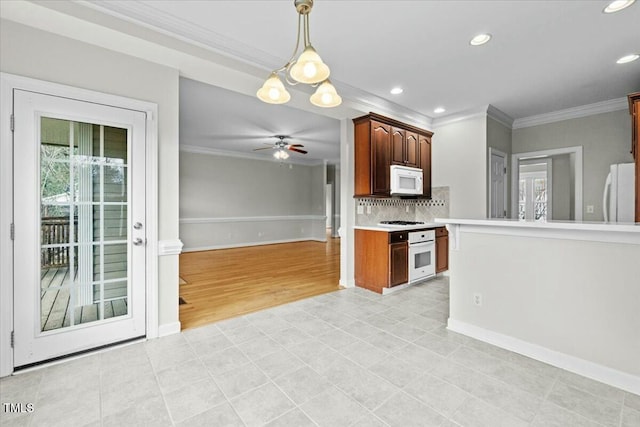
<point>138,242</point>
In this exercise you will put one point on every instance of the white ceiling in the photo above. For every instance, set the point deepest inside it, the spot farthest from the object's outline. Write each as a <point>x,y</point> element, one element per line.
<point>544,56</point>
<point>220,119</point>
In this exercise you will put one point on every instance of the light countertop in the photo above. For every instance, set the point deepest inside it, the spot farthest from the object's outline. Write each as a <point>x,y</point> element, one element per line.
<point>628,233</point>
<point>389,229</point>
<point>557,225</point>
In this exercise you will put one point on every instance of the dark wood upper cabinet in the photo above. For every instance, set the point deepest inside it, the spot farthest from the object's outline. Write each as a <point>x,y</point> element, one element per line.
<point>404,148</point>
<point>380,158</point>
<point>411,150</point>
<point>381,142</point>
<point>397,146</point>
<point>424,149</point>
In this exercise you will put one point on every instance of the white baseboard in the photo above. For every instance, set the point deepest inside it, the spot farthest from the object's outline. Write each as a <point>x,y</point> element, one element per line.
<point>586,368</point>
<point>348,283</point>
<point>168,329</point>
<point>245,244</point>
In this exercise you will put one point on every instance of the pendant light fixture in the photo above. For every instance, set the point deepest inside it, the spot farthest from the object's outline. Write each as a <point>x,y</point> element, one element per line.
<point>308,68</point>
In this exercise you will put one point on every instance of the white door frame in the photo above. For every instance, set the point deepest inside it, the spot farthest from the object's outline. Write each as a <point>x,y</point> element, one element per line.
<point>498,153</point>
<point>515,172</point>
<point>548,174</point>
<point>9,82</point>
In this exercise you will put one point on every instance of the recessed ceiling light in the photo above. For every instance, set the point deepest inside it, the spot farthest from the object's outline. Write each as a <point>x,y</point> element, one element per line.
<point>396,91</point>
<point>618,5</point>
<point>480,39</point>
<point>628,58</point>
<point>439,110</point>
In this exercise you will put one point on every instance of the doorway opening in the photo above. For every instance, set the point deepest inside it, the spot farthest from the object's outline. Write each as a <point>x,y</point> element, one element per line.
<point>547,184</point>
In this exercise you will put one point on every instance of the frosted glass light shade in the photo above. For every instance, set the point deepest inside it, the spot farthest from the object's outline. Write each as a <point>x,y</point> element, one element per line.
<point>326,96</point>
<point>273,91</point>
<point>309,67</point>
<point>281,155</point>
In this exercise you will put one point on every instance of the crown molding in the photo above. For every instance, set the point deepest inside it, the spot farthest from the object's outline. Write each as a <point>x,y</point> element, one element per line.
<point>195,149</point>
<point>149,17</point>
<point>458,117</point>
<point>500,116</point>
<point>572,113</point>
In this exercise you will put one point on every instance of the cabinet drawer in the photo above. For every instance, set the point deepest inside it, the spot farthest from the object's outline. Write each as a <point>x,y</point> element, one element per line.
<point>398,236</point>
<point>441,231</point>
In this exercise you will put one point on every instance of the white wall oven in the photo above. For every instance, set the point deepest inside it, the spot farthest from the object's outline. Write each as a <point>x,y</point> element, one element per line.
<point>422,255</point>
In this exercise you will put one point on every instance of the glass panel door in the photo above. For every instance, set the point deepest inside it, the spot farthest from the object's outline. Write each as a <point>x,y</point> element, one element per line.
<point>79,264</point>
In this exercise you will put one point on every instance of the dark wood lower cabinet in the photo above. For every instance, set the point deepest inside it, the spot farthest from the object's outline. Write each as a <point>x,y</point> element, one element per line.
<point>399,263</point>
<point>442,249</point>
<point>381,259</point>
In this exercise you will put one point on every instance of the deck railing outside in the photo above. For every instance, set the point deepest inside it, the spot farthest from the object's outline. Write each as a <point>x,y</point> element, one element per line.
<point>55,235</point>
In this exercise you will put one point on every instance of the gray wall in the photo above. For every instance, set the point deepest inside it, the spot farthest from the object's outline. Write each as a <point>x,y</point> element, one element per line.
<point>231,201</point>
<point>459,152</point>
<point>34,53</point>
<point>605,138</point>
<point>499,137</point>
<point>562,190</point>
<point>333,178</point>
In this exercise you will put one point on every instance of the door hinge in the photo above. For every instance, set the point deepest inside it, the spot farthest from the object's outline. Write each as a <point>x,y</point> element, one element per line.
<point>12,122</point>
<point>505,170</point>
<point>504,214</point>
<point>12,231</point>
<point>13,338</point>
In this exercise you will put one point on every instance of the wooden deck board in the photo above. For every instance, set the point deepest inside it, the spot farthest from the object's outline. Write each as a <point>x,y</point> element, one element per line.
<point>89,313</point>
<point>108,310</point>
<point>119,307</point>
<point>55,300</point>
<point>58,311</point>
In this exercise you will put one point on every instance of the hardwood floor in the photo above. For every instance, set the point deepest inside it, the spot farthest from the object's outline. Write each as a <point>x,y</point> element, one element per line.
<point>226,283</point>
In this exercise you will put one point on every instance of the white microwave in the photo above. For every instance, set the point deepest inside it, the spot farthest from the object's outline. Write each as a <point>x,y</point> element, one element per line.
<point>406,181</point>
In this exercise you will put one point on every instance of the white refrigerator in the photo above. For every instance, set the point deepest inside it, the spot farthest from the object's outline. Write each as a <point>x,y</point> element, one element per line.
<point>618,200</point>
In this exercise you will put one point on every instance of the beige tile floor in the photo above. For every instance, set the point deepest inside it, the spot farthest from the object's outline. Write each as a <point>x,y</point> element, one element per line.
<point>349,358</point>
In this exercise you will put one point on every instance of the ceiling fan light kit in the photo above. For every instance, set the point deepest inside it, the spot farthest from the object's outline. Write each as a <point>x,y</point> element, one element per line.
<point>281,147</point>
<point>281,155</point>
<point>308,68</point>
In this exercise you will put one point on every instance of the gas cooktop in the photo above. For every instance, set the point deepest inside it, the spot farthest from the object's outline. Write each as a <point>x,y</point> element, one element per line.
<point>400,223</point>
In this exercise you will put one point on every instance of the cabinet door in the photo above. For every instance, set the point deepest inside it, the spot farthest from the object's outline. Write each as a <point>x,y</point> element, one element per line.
<point>411,149</point>
<point>398,264</point>
<point>397,146</point>
<point>636,142</point>
<point>442,253</point>
<point>425,164</point>
<point>380,158</point>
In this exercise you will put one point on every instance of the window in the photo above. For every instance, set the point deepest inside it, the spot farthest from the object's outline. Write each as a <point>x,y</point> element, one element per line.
<point>533,196</point>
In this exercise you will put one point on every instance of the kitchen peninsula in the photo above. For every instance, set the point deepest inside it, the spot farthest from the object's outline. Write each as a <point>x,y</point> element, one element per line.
<point>566,293</point>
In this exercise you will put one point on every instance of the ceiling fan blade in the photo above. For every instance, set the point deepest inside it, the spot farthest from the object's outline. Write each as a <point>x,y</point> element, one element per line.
<point>264,148</point>
<point>296,145</point>
<point>297,150</point>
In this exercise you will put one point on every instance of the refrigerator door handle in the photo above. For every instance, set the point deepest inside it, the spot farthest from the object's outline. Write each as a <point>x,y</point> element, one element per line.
<point>605,198</point>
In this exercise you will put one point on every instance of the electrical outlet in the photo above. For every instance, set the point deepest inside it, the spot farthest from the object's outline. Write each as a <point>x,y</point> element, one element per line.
<point>477,299</point>
<point>360,209</point>
<point>368,209</point>
<point>589,208</point>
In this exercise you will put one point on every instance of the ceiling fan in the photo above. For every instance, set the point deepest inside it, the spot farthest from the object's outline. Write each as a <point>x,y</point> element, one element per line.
<point>281,146</point>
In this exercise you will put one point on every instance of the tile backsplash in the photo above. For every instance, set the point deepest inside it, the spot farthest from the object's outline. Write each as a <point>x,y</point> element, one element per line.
<point>404,209</point>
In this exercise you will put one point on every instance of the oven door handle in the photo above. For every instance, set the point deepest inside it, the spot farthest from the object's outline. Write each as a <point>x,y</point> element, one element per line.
<point>422,244</point>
